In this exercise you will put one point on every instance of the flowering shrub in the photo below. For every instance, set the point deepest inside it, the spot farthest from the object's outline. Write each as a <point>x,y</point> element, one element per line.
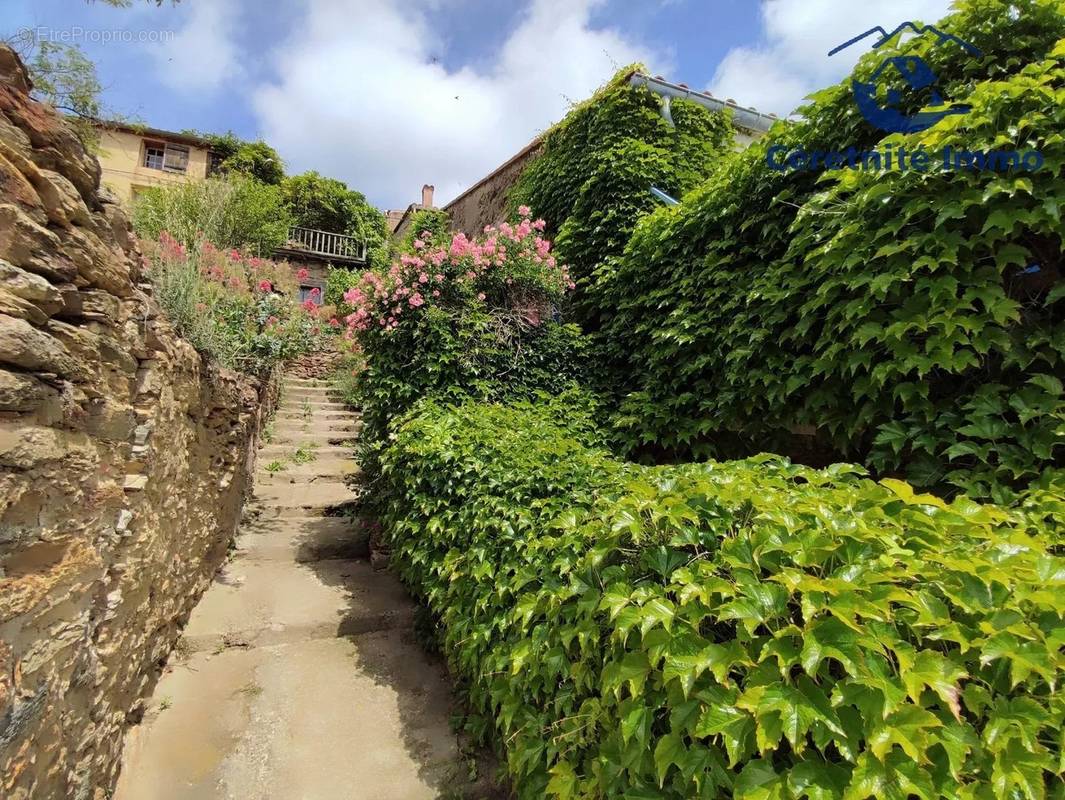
<point>237,308</point>
<point>472,317</point>
<point>513,264</point>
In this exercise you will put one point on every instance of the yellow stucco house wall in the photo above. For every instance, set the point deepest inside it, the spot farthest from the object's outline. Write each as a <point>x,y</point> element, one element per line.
<point>133,159</point>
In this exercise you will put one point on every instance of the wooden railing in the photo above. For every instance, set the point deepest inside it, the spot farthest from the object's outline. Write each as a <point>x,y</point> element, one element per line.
<point>324,243</point>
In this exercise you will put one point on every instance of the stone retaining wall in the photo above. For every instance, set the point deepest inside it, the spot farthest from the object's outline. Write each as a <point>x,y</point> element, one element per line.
<point>124,462</point>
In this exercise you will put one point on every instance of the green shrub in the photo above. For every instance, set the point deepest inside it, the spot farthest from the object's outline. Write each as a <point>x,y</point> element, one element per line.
<point>592,180</point>
<point>232,212</point>
<point>896,313</point>
<point>749,629</point>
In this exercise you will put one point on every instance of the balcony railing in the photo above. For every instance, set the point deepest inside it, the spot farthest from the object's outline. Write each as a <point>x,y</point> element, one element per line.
<point>324,244</point>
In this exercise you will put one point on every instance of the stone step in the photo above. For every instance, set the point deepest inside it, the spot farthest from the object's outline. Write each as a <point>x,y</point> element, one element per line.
<point>317,416</point>
<point>313,439</point>
<point>297,426</point>
<point>315,407</point>
<point>257,603</point>
<point>292,380</point>
<point>291,472</point>
<point>310,395</point>
<point>314,494</point>
<point>363,717</point>
<point>302,539</point>
<point>285,450</point>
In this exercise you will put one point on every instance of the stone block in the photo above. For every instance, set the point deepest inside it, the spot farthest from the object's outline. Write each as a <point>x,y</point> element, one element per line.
<point>22,393</point>
<point>25,346</point>
<point>30,287</point>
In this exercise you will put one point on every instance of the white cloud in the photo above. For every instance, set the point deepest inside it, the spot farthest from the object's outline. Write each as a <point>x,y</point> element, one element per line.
<point>798,35</point>
<point>202,55</point>
<point>360,96</point>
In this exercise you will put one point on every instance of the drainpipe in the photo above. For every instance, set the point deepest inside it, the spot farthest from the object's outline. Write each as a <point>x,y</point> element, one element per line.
<point>665,109</point>
<point>665,198</point>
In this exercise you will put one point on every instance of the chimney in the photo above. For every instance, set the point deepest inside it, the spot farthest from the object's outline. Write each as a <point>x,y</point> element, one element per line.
<point>427,195</point>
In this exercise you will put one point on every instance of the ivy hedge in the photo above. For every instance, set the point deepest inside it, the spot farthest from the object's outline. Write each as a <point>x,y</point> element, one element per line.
<point>591,181</point>
<point>750,629</point>
<point>913,320</point>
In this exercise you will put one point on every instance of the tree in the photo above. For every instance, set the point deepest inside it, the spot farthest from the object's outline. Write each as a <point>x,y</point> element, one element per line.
<point>319,202</point>
<point>255,159</point>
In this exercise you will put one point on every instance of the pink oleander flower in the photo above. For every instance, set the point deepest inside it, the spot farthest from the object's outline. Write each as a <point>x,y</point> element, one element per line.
<point>436,292</point>
<point>423,278</point>
<point>316,292</point>
<point>416,300</point>
<point>439,278</point>
<point>334,323</point>
<point>418,244</point>
<point>524,211</point>
<point>265,286</point>
<point>303,273</point>
<point>481,296</point>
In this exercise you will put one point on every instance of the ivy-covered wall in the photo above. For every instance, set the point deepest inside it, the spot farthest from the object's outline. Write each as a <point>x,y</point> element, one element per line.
<point>591,181</point>
<point>912,320</point>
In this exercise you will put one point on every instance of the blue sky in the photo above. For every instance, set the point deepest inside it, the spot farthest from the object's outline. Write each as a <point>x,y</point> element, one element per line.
<point>388,94</point>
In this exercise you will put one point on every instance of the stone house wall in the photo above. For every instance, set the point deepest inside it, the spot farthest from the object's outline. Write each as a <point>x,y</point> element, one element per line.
<point>124,462</point>
<point>485,203</point>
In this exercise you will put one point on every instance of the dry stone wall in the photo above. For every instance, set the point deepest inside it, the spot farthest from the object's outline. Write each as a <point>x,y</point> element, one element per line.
<point>124,460</point>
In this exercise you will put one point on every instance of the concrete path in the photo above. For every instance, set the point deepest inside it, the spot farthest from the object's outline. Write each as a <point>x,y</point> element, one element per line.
<point>298,677</point>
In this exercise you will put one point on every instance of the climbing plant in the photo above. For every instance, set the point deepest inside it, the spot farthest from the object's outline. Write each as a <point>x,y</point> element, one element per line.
<point>749,629</point>
<point>911,320</point>
<point>255,159</point>
<point>592,179</point>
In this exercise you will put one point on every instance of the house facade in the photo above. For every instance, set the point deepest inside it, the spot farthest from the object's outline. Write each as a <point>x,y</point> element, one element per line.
<point>133,158</point>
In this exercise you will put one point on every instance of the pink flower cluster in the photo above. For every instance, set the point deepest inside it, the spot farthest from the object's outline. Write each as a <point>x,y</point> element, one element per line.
<point>230,272</point>
<point>501,263</point>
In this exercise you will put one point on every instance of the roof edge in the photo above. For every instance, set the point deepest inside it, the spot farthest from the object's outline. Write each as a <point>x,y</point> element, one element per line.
<point>748,118</point>
<point>146,130</point>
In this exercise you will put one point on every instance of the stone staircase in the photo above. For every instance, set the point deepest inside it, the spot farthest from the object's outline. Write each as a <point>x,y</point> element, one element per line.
<point>298,675</point>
